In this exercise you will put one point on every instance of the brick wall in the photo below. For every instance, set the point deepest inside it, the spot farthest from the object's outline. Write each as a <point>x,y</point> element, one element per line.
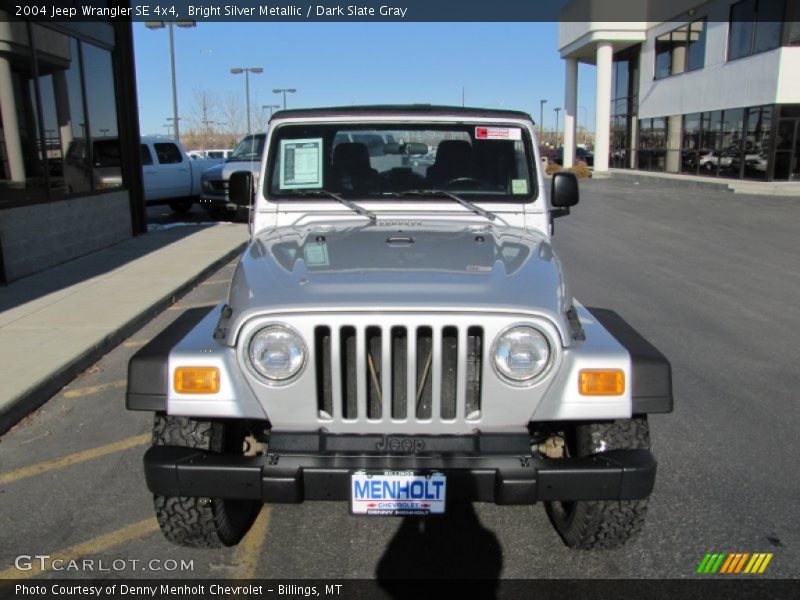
<point>36,237</point>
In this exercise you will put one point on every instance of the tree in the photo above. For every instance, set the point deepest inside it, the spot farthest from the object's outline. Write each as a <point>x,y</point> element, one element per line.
<point>233,113</point>
<point>203,117</point>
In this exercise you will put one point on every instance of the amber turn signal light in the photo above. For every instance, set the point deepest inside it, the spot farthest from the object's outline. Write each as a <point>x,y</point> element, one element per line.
<point>601,382</point>
<point>196,380</point>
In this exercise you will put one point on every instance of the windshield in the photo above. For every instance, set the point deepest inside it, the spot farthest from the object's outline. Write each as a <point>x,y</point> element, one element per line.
<point>250,148</point>
<point>471,160</point>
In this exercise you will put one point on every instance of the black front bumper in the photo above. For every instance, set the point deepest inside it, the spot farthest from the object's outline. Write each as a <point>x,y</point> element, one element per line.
<point>486,477</point>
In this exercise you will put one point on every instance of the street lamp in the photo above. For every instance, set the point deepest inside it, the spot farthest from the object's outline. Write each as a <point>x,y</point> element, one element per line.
<point>541,120</point>
<point>271,108</point>
<point>284,91</point>
<point>161,25</point>
<point>557,109</point>
<point>247,71</point>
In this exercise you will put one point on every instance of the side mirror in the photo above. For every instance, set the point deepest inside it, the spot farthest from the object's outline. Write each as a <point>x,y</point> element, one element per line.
<point>240,188</point>
<point>564,191</point>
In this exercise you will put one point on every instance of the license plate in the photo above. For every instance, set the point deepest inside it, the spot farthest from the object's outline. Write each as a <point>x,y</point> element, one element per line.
<point>397,493</point>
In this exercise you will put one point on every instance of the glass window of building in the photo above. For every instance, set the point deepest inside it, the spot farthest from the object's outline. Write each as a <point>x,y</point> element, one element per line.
<point>730,162</point>
<point>683,49</point>
<point>697,45</point>
<point>755,26</point>
<point>793,23</point>
<point>58,80</point>
<point>663,56</point>
<point>756,143</point>
<point>690,143</point>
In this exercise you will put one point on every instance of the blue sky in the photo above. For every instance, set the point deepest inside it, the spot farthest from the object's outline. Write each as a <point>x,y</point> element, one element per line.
<point>500,65</point>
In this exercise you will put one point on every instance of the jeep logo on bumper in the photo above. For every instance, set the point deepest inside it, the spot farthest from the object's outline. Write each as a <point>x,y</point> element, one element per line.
<point>408,445</point>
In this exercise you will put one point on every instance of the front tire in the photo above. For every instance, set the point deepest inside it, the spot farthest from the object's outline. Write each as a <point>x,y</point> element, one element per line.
<point>201,522</point>
<point>601,524</point>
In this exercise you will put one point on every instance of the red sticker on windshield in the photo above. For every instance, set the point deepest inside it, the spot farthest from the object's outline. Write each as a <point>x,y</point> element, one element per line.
<point>498,133</point>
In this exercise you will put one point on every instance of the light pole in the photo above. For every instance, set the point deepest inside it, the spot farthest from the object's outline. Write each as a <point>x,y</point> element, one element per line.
<point>541,120</point>
<point>271,108</point>
<point>284,91</point>
<point>161,25</point>
<point>557,109</point>
<point>247,71</point>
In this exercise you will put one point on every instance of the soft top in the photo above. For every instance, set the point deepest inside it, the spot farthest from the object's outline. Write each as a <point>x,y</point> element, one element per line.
<point>415,110</point>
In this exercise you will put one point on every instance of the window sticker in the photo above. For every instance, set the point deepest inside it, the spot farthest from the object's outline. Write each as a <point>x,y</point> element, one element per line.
<point>301,164</point>
<point>498,133</point>
<point>519,186</point>
<point>316,254</point>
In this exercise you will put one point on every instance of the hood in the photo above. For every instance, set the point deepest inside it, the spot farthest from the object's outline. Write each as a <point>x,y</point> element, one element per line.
<point>363,268</point>
<point>223,170</point>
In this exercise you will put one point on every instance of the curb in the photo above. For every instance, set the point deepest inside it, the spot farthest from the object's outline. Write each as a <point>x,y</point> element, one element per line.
<point>720,186</point>
<point>42,391</point>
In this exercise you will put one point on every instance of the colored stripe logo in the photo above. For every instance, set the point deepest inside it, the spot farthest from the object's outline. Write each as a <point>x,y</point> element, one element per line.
<point>734,563</point>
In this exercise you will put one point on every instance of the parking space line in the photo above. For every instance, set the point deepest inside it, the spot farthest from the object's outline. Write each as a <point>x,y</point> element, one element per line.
<point>94,389</point>
<point>249,550</point>
<point>66,461</point>
<point>93,546</point>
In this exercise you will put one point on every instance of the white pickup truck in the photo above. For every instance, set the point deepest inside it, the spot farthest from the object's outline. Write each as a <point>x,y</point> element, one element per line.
<point>170,175</point>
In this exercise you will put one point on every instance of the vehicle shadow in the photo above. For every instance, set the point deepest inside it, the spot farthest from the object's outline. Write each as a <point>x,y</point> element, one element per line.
<point>453,546</point>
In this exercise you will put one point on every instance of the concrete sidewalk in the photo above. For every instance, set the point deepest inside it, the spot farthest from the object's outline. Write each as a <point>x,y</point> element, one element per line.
<point>56,323</point>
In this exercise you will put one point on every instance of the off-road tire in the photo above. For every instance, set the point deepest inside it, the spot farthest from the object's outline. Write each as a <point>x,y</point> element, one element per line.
<point>601,524</point>
<point>201,522</point>
<point>181,207</point>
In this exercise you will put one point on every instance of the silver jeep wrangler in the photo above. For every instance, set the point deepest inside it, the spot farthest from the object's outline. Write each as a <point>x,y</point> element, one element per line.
<point>399,335</point>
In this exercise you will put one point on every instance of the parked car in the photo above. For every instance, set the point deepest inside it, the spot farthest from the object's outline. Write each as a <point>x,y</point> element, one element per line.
<point>400,345</point>
<point>104,171</point>
<point>170,176</point>
<point>214,181</point>
<point>754,161</point>
<point>709,159</point>
<point>218,153</point>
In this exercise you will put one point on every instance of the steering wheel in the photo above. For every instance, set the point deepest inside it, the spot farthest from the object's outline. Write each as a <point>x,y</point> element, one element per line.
<point>459,180</point>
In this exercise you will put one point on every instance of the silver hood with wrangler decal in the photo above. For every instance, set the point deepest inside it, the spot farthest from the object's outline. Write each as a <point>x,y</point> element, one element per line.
<point>432,267</point>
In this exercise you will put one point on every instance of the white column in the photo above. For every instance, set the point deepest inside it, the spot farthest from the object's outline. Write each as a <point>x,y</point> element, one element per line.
<point>16,166</point>
<point>570,108</point>
<point>63,113</point>
<point>605,56</point>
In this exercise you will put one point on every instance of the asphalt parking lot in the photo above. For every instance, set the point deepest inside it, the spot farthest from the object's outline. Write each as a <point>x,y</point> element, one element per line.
<point>709,277</point>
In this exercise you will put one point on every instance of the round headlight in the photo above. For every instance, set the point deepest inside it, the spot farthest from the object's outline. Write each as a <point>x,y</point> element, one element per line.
<point>521,354</point>
<point>276,353</point>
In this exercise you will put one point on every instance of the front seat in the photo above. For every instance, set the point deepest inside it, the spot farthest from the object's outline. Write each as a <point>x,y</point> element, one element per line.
<point>454,159</point>
<point>352,171</point>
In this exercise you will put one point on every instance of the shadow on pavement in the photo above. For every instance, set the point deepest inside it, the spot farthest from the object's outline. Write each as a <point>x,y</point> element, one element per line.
<point>452,546</point>
<point>85,267</point>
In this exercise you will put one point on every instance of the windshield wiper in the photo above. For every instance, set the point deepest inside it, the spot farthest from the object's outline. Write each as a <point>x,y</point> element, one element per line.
<point>466,204</point>
<point>351,205</point>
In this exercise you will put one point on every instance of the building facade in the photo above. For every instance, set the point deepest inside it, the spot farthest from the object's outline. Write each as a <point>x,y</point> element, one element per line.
<point>712,90</point>
<point>70,179</point>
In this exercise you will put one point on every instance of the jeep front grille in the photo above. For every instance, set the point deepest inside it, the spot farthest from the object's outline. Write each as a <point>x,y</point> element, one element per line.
<point>378,373</point>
